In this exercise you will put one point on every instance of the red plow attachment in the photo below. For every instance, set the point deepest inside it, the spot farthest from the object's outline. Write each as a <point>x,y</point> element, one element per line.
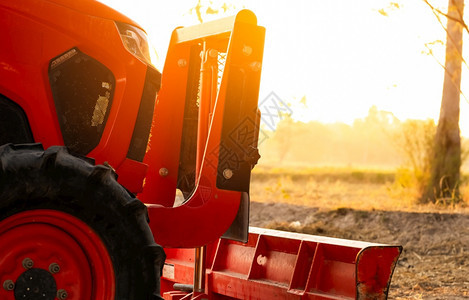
<point>284,265</point>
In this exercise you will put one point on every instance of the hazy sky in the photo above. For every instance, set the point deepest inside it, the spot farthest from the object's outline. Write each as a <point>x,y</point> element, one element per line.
<point>343,56</point>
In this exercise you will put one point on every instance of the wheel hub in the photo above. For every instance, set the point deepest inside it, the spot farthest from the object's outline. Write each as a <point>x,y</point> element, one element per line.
<point>35,284</point>
<point>53,255</point>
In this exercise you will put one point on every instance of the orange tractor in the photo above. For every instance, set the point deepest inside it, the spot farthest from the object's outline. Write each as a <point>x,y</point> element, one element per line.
<point>77,79</point>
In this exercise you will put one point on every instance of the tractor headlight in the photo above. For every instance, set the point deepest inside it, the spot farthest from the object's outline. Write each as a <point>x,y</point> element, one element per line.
<point>136,42</point>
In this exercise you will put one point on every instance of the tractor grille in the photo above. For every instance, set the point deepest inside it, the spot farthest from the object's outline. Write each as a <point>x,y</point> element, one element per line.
<point>83,90</point>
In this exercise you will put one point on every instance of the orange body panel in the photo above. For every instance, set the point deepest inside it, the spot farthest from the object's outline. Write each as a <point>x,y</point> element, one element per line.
<point>34,32</point>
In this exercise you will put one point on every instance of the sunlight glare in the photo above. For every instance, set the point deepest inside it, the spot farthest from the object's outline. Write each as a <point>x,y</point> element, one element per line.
<point>342,56</point>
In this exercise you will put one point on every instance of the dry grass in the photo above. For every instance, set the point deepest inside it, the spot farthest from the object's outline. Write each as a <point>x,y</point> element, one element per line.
<point>332,188</point>
<point>369,205</point>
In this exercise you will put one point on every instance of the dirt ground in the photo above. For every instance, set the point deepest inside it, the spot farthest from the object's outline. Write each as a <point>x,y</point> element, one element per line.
<point>435,260</point>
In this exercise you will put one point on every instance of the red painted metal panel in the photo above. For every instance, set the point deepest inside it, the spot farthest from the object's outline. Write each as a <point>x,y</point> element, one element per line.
<point>303,266</point>
<point>132,174</point>
<point>233,257</point>
<point>282,265</point>
<point>34,32</point>
<point>371,275</point>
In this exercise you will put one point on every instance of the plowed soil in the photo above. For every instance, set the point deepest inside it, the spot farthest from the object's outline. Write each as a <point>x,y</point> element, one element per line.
<point>435,260</point>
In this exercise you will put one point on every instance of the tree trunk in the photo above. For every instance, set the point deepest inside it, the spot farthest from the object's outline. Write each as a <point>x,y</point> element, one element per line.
<point>443,184</point>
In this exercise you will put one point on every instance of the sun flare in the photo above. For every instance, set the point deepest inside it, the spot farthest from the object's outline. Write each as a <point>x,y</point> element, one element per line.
<point>340,57</point>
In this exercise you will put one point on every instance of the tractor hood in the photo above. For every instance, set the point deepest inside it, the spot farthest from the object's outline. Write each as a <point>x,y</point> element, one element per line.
<point>95,8</point>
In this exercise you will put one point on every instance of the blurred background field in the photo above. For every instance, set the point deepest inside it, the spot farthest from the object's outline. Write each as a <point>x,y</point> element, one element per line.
<point>343,187</point>
<point>378,162</point>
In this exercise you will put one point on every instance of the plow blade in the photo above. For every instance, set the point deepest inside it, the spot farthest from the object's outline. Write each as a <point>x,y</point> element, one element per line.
<point>283,265</point>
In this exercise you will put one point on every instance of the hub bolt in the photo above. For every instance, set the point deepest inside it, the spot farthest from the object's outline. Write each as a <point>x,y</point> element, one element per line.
<point>28,263</point>
<point>9,285</point>
<point>54,268</point>
<point>227,173</point>
<point>163,172</point>
<point>182,62</point>
<point>212,53</point>
<point>247,50</point>
<point>62,294</point>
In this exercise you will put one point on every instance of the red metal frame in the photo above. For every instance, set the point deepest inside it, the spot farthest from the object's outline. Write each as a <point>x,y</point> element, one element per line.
<point>49,236</point>
<point>284,265</point>
<point>210,210</point>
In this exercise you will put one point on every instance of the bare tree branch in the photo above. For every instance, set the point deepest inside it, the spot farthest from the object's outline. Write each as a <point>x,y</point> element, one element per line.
<point>459,20</point>
<point>448,35</point>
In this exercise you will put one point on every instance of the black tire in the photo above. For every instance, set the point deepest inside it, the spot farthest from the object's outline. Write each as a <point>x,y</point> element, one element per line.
<point>32,179</point>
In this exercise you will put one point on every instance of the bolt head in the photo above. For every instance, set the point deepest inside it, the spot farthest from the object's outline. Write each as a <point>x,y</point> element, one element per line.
<point>54,268</point>
<point>182,62</point>
<point>227,173</point>
<point>28,263</point>
<point>163,172</point>
<point>255,66</point>
<point>212,53</point>
<point>9,285</point>
<point>62,294</point>
<point>247,50</point>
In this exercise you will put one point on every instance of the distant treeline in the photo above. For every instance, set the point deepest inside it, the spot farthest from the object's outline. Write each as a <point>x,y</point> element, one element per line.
<point>378,140</point>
